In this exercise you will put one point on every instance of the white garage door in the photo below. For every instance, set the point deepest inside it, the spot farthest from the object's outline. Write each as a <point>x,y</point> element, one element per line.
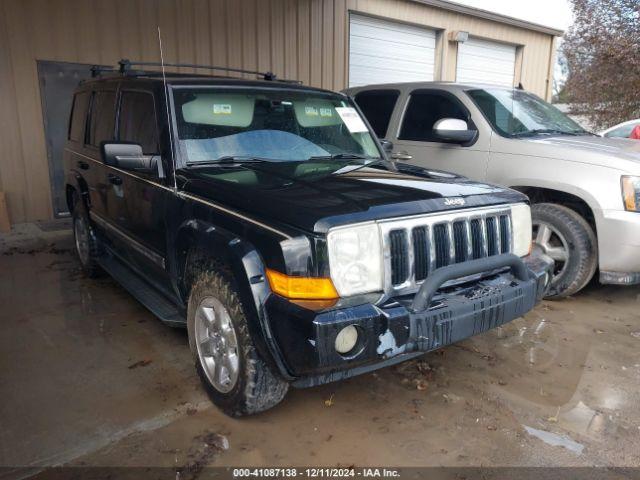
<point>483,61</point>
<point>381,51</point>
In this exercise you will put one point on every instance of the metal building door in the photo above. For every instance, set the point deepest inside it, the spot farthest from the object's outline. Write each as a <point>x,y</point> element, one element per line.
<point>58,80</point>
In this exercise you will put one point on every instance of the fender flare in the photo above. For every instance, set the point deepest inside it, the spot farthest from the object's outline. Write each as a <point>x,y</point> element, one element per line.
<point>79,184</point>
<point>248,270</point>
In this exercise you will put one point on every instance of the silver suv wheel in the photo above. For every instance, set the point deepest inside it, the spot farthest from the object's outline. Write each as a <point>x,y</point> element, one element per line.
<point>217,344</point>
<point>553,244</point>
<point>565,236</point>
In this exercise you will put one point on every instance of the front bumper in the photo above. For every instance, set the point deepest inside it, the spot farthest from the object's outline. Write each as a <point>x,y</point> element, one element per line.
<point>619,247</point>
<point>393,331</point>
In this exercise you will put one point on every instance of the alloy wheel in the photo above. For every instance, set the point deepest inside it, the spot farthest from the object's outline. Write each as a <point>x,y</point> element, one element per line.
<point>217,344</point>
<point>553,244</point>
<point>81,234</point>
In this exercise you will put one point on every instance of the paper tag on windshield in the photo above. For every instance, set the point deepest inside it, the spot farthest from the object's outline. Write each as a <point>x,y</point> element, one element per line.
<point>311,111</point>
<point>221,109</point>
<point>351,119</point>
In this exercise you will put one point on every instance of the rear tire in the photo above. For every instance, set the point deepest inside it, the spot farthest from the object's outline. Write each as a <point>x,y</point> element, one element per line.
<point>237,379</point>
<point>85,240</point>
<point>570,241</point>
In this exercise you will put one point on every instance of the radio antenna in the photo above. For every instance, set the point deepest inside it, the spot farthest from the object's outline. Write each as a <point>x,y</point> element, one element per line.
<point>166,103</point>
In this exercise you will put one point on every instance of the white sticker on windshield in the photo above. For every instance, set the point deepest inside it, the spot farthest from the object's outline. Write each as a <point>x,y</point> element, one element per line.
<point>311,111</point>
<point>221,109</point>
<point>351,119</point>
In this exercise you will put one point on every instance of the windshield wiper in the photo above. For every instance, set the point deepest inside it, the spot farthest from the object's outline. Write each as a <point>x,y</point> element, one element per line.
<point>539,131</point>
<point>373,162</point>
<point>389,165</point>
<point>227,160</point>
<point>342,156</point>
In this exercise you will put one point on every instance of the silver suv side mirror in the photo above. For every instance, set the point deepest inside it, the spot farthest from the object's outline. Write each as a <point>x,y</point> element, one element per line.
<point>453,130</point>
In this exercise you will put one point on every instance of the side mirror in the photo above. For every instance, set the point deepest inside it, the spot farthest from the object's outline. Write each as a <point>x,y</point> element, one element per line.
<point>387,146</point>
<point>128,156</point>
<point>453,130</point>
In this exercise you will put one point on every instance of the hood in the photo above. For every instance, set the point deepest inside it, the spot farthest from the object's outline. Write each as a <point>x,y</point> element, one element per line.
<point>619,153</point>
<point>317,196</point>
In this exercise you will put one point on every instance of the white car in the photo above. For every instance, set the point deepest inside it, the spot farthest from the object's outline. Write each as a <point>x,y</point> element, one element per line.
<point>622,130</point>
<point>585,189</point>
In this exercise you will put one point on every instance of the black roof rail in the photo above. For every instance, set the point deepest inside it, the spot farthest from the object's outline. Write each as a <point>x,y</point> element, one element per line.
<point>96,70</point>
<point>125,66</point>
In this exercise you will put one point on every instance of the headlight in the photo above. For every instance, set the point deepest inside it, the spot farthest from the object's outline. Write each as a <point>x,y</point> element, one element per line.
<point>521,227</point>
<point>631,193</point>
<point>355,259</point>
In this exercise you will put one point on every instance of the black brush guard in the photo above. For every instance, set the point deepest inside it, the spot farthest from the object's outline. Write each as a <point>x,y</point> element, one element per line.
<point>422,299</point>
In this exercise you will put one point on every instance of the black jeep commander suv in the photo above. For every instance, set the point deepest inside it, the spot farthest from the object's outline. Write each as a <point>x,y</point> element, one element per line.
<point>265,217</point>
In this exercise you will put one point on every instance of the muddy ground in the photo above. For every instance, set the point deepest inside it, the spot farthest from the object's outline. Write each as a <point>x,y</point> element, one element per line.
<point>89,377</point>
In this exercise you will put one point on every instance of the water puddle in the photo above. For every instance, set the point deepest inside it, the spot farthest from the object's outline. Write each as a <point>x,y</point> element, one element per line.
<point>555,440</point>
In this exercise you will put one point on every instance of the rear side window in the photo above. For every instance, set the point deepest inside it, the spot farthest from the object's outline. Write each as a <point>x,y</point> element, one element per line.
<point>424,110</point>
<point>137,121</point>
<point>78,116</point>
<point>377,106</point>
<point>103,112</point>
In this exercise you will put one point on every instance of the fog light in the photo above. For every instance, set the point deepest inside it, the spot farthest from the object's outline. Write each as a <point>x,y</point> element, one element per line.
<point>346,339</point>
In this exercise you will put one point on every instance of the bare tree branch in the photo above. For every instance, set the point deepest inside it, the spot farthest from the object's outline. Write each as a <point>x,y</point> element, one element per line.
<point>602,51</point>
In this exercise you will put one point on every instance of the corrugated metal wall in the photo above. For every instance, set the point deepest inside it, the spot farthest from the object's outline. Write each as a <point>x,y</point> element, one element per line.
<point>302,39</point>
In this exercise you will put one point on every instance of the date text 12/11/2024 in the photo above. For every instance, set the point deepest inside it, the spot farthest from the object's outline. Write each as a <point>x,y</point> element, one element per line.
<point>310,472</point>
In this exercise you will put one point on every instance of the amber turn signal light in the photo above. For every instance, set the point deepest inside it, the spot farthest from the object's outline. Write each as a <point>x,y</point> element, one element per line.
<point>302,288</point>
<point>629,193</point>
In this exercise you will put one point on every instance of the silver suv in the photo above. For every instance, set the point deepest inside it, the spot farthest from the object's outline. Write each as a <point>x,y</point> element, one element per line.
<point>585,189</point>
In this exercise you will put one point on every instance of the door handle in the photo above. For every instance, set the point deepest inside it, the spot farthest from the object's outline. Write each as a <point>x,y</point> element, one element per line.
<point>114,179</point>
<point>83,165</point>
<point>404,156</point>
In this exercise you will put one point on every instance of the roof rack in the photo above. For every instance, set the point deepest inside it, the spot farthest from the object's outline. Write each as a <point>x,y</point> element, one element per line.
<point>125,67</point>
<point>98,69</point>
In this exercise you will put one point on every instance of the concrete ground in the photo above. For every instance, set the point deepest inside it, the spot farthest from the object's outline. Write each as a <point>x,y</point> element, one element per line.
<point>89,377</point>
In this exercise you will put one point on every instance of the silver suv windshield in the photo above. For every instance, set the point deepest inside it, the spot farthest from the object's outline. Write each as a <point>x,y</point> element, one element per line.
<point>222,125</point>
<point>516,113</point>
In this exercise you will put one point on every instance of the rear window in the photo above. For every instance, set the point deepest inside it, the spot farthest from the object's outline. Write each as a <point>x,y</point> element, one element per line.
<point>78,116</point>
<point>377,106</point>
<point>103,112</point>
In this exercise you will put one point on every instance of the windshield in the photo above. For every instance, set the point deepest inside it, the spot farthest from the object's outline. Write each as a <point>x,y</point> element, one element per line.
<point>268,125</point>
<point>516,113</point>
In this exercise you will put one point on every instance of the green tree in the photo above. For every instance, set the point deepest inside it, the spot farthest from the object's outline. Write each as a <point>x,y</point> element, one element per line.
<point>602,50</point>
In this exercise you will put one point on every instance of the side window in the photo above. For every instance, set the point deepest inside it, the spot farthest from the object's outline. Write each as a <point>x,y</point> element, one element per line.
<point>78,116</point>
<point>103,112</point>
<point>137,121</point>
<point>377,106</point>
<point>423,111</point>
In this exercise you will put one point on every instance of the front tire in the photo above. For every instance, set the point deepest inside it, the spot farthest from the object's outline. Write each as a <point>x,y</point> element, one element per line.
<point>236,378</point>
<point>569,240</point>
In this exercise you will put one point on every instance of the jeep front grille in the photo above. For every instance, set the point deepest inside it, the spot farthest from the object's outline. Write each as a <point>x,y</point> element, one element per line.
<point>416,246</point>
